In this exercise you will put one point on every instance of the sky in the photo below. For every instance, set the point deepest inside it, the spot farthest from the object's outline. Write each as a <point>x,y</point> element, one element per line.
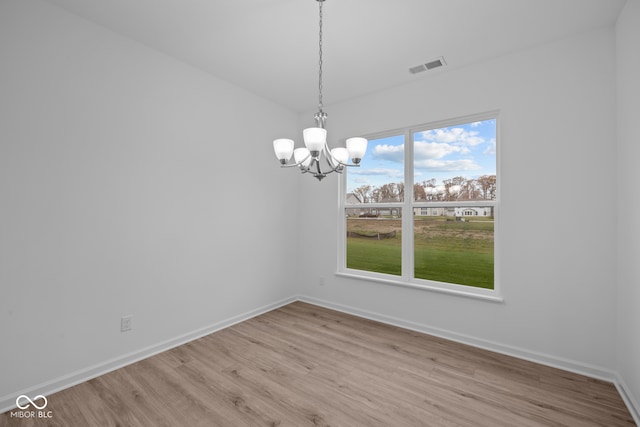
<point>467,150</point>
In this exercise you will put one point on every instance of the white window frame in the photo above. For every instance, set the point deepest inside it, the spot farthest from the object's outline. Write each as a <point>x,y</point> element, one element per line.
<point>407,278</point>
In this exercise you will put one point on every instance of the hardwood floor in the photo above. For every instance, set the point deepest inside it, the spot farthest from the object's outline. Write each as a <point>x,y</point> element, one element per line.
<point>305,365</point>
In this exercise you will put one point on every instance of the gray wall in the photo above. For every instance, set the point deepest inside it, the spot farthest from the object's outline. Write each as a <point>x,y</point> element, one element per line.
<point>628,111</point>
<point>130,184</point>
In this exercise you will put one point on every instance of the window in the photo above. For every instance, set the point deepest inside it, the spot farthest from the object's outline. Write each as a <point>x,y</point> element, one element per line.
<point>441,233</point>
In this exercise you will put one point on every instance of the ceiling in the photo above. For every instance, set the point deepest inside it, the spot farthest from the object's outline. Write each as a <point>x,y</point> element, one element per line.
<point>270,47</point>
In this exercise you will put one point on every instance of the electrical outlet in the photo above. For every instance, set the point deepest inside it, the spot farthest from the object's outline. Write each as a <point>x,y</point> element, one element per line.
<point>126,323</point>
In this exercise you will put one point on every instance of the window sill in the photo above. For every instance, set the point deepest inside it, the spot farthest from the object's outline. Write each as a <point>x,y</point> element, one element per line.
<point>494,296</point>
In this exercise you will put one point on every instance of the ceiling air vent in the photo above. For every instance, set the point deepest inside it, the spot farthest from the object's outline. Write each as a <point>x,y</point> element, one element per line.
<point>417,69</point>
<point>430,65</point>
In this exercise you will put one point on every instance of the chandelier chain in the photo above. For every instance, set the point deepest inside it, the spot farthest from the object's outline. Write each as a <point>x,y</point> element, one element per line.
<point>320,105</point>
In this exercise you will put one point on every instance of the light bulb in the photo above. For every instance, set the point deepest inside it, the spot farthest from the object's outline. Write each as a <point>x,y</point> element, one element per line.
<point>314,140</point>
<point>302,156</point>
<point>356,147</point>
<point>339,157</point>
<point>283,149</point>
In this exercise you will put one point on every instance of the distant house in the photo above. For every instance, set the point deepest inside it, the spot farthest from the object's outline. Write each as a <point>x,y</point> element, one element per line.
<point>354,200</point>
<point>355,207</point>
<point>465,211</point>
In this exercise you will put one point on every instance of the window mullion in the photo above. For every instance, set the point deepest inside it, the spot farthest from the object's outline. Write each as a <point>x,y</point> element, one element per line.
<point>407,210</point>
<point>342,226</point>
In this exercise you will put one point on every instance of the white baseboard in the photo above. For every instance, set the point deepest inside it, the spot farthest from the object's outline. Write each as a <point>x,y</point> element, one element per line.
<point>8,402</point>
<point>629,399</point>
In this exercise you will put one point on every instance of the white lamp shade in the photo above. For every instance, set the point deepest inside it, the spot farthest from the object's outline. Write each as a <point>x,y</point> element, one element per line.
<point>339,156</point>
<point>283,149</point>
<point>302,156</point>
<point>315,138</point>
<point>356,147</point>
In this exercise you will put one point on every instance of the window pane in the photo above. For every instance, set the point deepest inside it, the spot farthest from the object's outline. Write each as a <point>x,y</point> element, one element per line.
<point>456,162</point>
<point>374,240</point>
<point>380,177</point>
<point>454,245</point>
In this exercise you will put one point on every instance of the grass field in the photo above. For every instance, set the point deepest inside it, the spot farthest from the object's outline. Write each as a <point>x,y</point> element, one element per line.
<point>445,251</point>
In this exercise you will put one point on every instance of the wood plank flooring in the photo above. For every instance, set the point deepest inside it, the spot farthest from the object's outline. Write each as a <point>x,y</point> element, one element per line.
<point>302,365</point>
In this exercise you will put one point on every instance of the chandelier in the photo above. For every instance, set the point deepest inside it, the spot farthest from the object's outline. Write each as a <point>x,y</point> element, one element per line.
<point>310,158</point>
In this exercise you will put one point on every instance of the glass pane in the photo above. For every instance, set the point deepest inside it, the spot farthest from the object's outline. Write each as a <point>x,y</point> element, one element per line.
<point>380,177</point>
<point>455,163</point>
<point>374,240</point>
<point>454,245</point>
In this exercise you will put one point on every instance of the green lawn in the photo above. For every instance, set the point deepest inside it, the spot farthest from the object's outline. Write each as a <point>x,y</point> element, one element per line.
<point>381,256</point>
<point>445,251</point>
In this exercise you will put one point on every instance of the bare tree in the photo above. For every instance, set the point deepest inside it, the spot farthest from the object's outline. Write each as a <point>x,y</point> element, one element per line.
<point>418,192</point>
<point>376,195</point>
<point>429,186</point>
<point>363,193</point>
<point>456,188</point>
<point>389,192</point>
<point>487,186</point>
<point>468,190</point>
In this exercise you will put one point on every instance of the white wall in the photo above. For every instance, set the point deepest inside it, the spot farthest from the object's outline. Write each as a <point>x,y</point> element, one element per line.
<point>628,112</point>
<point>557,213</point>
<point>130,183</point>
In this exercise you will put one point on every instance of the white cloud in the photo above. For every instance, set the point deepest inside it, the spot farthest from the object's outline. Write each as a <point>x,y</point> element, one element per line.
<point>455,136</point>
<point>360,180</point>
<point>394,153</point>
<point>491,148</point>
<point>459,165</point>
<point>392,173</point>
<point>434,150</point>
<point>446,150</point>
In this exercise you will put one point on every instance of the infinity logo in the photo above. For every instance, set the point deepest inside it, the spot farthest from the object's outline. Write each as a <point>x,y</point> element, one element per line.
<point>31,401</point>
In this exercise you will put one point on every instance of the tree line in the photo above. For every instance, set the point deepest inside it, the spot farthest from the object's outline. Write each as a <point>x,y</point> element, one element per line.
<point>454,189</point>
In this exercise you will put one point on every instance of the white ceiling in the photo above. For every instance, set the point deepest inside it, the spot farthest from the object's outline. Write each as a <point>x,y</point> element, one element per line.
<point>270,47</point>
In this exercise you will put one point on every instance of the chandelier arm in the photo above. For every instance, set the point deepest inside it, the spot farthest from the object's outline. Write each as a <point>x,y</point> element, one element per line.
<point>307,169</point>
<point>328,154</point>
<point>318,168</point>
<point>289,165</point>
<point>329,159</point>
<point>294,163</point>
